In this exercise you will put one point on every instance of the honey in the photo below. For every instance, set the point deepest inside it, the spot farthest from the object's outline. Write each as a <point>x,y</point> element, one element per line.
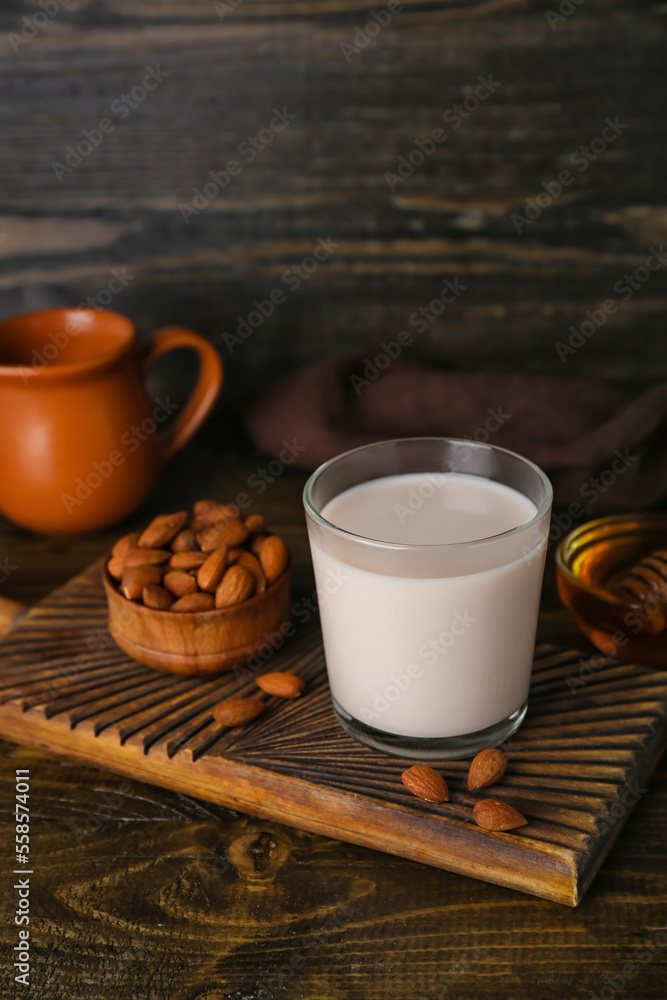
<point>590,563</point>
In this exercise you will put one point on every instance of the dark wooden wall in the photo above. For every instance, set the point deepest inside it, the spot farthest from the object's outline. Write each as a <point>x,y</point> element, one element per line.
<point>324,175</point>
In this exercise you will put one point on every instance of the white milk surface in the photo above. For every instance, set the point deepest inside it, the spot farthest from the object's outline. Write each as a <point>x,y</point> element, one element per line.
<point>428,657</point>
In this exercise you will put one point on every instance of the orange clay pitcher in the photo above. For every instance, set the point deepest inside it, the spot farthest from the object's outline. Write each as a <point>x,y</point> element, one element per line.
<point>80,443</point>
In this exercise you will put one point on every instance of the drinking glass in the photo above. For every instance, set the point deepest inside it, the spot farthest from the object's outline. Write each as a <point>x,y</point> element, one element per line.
<point>429,647</point>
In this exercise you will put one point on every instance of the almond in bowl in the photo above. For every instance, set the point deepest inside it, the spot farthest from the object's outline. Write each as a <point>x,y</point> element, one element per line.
<point>203,594</point>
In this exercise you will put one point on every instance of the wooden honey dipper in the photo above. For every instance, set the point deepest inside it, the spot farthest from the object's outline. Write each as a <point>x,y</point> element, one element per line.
<point>646,580</point>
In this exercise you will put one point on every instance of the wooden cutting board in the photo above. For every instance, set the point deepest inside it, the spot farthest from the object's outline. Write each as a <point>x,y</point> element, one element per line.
<point>577,765</point>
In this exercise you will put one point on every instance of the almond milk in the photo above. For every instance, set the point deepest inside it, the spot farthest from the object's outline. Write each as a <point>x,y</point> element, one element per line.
<point>435,641</point>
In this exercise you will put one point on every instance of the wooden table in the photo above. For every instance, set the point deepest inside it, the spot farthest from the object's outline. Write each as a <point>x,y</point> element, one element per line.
<point>138,892</point>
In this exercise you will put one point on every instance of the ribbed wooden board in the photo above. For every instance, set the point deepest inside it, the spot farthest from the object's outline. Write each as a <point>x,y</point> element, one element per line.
<point>573,760</point>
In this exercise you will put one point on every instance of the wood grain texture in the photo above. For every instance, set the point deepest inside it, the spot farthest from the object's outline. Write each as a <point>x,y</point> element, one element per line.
<point>324,176</point>
<point>573,764</point>
<point>11,613</point>
<point>146,893</point>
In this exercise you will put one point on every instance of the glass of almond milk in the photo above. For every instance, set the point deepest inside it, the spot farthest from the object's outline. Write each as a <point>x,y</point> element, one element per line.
<point>428,556</point>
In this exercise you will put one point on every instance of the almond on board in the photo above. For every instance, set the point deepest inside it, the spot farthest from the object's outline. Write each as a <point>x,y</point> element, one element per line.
<point>493,814</point>
<point>487,768</point>
<point>281,684</point>
<point>238,711</point>
<point>426,783</point>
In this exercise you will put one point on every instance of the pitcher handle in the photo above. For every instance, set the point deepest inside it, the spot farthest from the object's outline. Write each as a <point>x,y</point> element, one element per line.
<point>207,387</point>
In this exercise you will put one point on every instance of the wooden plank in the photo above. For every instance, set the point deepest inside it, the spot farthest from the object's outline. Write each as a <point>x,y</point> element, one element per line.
<point>326,175</point>
<point>295,764</point>
<point>146,892</point>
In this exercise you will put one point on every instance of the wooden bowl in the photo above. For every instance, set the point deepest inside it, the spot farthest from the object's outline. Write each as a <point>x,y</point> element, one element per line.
<point>203,642</point>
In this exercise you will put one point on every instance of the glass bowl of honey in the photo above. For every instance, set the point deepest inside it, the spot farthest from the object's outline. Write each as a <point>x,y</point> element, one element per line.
<point>612,575</point>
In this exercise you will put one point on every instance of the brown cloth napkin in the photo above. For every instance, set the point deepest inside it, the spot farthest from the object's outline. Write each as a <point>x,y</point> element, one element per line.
<point>602,449</point>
